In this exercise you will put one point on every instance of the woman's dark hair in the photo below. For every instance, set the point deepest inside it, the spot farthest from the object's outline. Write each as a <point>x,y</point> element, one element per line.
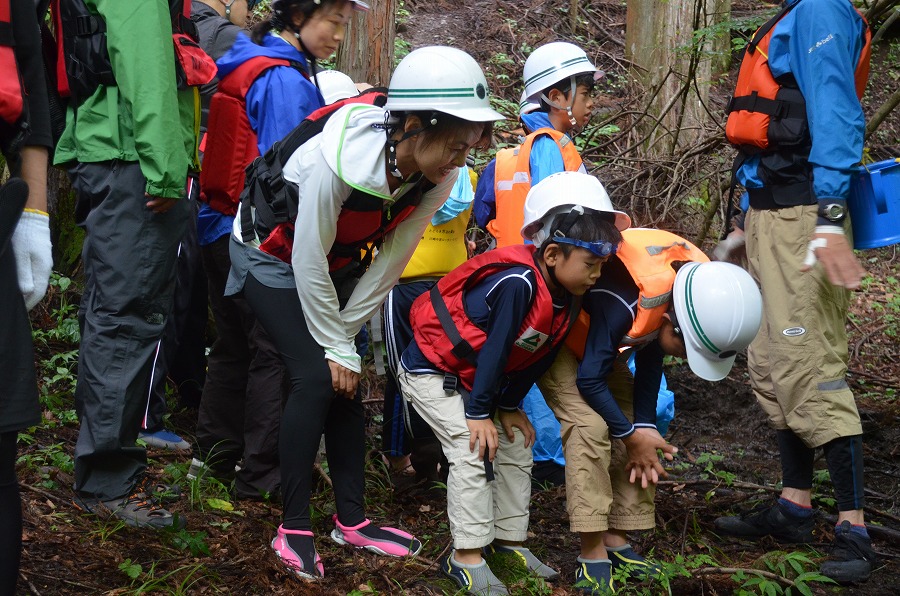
<point>437,125</point>
<point>590,227</point>
<point>564,86</point>
<point>283,14</point>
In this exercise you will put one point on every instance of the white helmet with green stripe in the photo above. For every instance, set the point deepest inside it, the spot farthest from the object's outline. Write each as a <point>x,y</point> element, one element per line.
<point>719,309</point>
<point>441,79</point>
<point>553,62</point>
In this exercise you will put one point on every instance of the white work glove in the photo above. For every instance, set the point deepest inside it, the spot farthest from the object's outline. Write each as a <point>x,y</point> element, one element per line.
<point>732,249</point>
<point>819,242</point>
<point>34,260</point>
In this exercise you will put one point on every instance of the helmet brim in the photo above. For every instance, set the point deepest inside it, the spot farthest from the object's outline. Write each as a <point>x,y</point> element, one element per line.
<point>705,367</point>
<point>359,5</point>
<point>473,114</point>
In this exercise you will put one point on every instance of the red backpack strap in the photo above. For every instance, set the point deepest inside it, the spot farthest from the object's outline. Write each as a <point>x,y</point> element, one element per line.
<point>11,95</point>
<point>238,82</point>
<point>62,79</point>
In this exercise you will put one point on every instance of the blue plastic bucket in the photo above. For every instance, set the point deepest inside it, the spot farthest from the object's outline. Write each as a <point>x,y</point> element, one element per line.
<point>874,205</point>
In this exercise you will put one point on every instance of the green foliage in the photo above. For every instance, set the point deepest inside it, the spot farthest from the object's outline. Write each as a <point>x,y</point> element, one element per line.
<point>132,570</point>
<point>178,582</point>
<point>793,567</point>
<point>182,539</point>
<point>47,461</point>
<point>707,462</point>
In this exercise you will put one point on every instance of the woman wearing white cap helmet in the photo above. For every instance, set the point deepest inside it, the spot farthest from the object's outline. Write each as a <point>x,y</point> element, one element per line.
<point>356,178</point>
<point>634,305</point>
<point>267,87</point>
<point>488,329</point>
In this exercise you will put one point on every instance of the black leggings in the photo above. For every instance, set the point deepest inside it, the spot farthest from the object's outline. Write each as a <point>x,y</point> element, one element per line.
<point>10,515</point>
<point>845,465</point>
<point>311,409</point>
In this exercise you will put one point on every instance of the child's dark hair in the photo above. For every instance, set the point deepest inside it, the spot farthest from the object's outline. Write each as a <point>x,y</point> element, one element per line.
<point>283,14</point>
<point>564,86</point>
<point>438,125</point>
<point>592,226</point>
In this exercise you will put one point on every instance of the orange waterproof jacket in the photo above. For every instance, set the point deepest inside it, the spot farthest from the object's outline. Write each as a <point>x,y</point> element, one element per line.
<point>512,181</point>
<point>648,255</point>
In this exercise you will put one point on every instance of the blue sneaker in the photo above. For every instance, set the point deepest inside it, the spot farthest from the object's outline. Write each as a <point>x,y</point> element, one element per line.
<point>631,565</point>
<point>594,577</point>
<point>164,439</point>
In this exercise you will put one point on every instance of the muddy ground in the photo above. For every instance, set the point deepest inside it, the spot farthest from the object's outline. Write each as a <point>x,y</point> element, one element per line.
<point>727,456</point>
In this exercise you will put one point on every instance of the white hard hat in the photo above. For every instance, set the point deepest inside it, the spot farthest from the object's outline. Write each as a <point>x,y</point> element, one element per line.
<point>281,5</point>
<point>559,193</point>
<point>552,63</point>
<point>441,79</point>
<point>525,106</point>
<point>335,86</point>
<point>719,309</point>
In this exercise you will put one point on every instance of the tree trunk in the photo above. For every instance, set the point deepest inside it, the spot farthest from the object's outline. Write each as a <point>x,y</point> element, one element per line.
<point>677,65</point>
<point>367,52</point>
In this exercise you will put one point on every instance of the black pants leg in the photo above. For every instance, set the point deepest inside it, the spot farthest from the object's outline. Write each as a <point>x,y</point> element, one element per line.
<point>312,408</point>
<point>11,517</point>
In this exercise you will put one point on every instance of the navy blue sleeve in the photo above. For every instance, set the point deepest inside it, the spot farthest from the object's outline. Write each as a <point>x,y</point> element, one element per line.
<point>648,371</point>
<point>610,321</point>
<point>507,297</point>
<point>485,206</point>
<point>522,382</point>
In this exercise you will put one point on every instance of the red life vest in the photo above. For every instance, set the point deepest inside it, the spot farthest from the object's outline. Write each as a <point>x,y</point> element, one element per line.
<point>12,102</point>
<point>512,181</point>
<point>451,340</point>
<point>648,255</point>
<point>230,144</point>
<point>765,114</point>
<point>361,226</point>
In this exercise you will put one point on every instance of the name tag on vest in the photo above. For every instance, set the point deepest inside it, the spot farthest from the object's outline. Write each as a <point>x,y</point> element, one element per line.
<point>531,340</point>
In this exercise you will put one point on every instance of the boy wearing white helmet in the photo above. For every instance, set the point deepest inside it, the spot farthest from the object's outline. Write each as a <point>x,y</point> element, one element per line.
<point>559,79</point>
<point>482,336</point>
<point>708,310</point>
<point>349,179</point>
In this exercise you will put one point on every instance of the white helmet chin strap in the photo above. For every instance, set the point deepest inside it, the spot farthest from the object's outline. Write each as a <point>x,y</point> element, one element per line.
<point>573,90</point>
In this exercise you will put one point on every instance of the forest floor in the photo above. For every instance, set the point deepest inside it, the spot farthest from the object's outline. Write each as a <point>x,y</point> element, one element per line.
<point>727,457</point>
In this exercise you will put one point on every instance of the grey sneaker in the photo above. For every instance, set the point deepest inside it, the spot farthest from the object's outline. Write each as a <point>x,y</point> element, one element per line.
<point>137,510</point>
<point>474,579</point>
<point>527,558</point>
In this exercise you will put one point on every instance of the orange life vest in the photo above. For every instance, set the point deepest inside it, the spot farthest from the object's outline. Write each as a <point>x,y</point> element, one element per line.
<point>512,181</point>
<point>648,255</point>
<point>766,113</point>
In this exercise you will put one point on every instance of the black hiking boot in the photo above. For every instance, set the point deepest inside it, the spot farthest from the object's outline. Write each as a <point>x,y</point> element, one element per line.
<point>768,520</point>
<point>851,558</point>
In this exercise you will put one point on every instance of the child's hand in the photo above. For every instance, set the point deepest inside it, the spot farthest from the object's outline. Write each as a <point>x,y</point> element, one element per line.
<point>517,419</point>
<point>484,432</point>
<point>643,461</point>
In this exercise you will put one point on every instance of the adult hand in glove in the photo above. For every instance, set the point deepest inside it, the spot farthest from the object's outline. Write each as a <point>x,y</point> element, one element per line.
<point>34,261</point>
<point>733,249</point>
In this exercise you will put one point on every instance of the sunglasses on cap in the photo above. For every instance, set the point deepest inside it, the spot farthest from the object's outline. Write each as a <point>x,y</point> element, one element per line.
<point>600,248</point>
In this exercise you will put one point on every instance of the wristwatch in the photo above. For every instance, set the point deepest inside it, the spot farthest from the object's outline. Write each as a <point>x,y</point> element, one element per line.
<point>833,212</point>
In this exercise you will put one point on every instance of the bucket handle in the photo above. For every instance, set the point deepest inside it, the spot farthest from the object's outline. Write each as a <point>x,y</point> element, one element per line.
<point>878,192</point>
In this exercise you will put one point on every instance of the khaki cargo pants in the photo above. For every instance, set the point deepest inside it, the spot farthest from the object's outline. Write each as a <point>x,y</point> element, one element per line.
<point>598,493</point>
<point>798,360</point>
